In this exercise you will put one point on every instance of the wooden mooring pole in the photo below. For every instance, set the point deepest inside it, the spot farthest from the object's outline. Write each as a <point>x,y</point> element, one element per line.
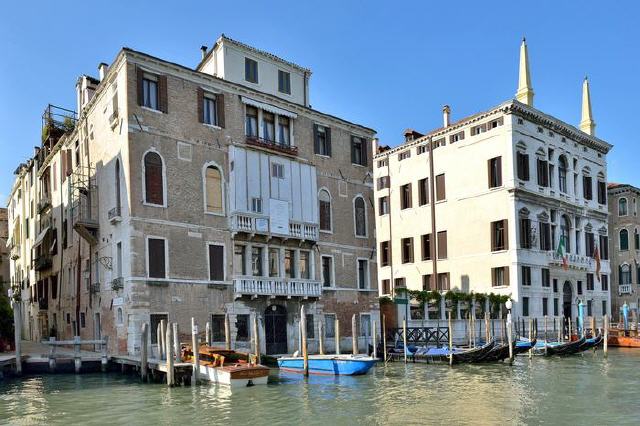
<point>163,342</point>
<point>159,341</point>
<point>336,335</point>
<point>530,337</point>
<point>144,351</point>
<point>321,337</point>
<point>354,335</point>
<point>176,343</point>
<point>450,342</point>
<point>169,355</point>
<point>76,354</point>
<point>605,346</point>
<point>374,336</point>
<point>207,338</point>
<point>256,337</point>
<point>303,334</point>
<point>227,332</point>
<point>103,357</point>
<point>17,335</point>
<point>404,338</point>
<point>195,348</point>
<point>384,337</point>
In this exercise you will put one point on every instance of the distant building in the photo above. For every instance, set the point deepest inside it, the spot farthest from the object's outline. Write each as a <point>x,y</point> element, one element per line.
<point>199,192</point>
<point>624,228</point>
<point>488,213</point>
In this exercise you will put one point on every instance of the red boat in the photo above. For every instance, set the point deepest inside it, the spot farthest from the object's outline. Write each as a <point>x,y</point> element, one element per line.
<point>617,338</point>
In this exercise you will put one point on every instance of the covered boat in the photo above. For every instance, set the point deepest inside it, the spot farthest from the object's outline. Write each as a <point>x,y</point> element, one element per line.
<point>339,365</point>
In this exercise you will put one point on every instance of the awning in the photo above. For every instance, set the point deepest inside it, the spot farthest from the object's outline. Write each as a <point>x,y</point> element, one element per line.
<point>268,107</point>
<point>41,236</point>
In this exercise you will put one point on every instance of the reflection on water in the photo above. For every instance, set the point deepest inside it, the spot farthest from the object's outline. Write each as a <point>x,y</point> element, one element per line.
<point>585,389</point>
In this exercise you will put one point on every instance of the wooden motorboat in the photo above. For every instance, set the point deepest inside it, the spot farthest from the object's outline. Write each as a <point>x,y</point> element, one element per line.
<point>228,367</point>
<point>624,341</point>
<point>339,365</point>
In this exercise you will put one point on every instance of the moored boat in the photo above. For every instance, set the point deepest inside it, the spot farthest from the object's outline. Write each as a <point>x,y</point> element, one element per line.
<point>474,354</point>
<point>228,367</point>
<point>591,343</point>
<point>624,341</point>
<point>566,348</point>
<point>339,365</point>
<point>523,346</point>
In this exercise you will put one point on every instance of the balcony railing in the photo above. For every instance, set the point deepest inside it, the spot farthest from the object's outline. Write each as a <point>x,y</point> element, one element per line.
<point>261,225</point>
<point>42,262</point>
<point>94,288</point>
<point>624,289</point>
<point>117,284</point>
<point>277,287</point>
<point>43,204</point>
<point>115,215</point>
<point>272,145</point>
<point>15,252</point>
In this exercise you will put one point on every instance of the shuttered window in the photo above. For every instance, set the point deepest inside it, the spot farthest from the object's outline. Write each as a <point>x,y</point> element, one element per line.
<point>360,217</point>
<point>423,191</point>
<point>495,172</point>
<point>500,276</point>
<point>441,192</point>
<point>156,258</point>
<point>324,200</point>
<point>152,90</point>
<point>213,184</point>
<point>405,196</point>
<point>216,262</point>
<point>442,245</point>
<point>587,187</point>
<point>543,173</point>
<point>499,237</point>
<point>407,250</point>
<point>153,178</point>
<point>426,247</point>
<point>523,166</point>
<point>322,140</point>
<point>358,151</point>
<point>385,253</point>
<point>525,233</point>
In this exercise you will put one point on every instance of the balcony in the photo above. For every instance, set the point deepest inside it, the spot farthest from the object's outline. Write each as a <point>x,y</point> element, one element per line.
<point>624,289</point>
<point>43,204</point>
<point>41,263</point>
<point>15,252</point>
<point>115,215</point>
<point>260,224</point>
<point>277,287</point>
<point>272,146</point>
<point>43,304</point>
<point>94,288</point>
<point>117,284</point>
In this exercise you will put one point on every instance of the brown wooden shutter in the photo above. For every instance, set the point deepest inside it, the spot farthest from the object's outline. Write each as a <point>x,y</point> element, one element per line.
<point>492,231</point>
<point>441,193</point>
<point>156,258</point>
<point>505,225</point>
<point>364,143</point>
<point>442,245</point>
<point>506,275</point>
<point>63,155</point>
<point>139,78</point>
<point>216,265</point>
<point>69,163</point>
<point>316,141</point>
<point>410,196</point>
<point>153,179</point>
<point>353,150</point>
<point>327,135</point>
<point>220,110</point>
<point>200,101</point>
<point>499,171</point>
<point>489,174</point>
<point>163,101</point>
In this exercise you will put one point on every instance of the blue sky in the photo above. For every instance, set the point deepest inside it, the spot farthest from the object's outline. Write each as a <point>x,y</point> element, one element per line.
<point>387,65</point>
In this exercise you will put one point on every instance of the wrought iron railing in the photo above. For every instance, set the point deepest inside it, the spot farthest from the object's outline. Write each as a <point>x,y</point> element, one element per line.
<point>272,145</point>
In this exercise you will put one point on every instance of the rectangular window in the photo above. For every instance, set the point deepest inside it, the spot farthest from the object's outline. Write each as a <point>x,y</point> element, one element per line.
<point>604,282</point>
<point>385,254</point>
<point>405,196</point>
<point>383,205</point>
<point>441,192</point>
<point>256,261</point>
<point>239,263</point>
<point>443,281</point>
<point>426,247</point>
<point>404,155</point>
<point>274,262</point>
<point>310,327</point>
<point>545,277</point>
<point>284,131</point>
<point>476,130</point>
<point>442,245</point>
<point>579,286</point>
<point>555,285</point>
<point>303,265</point>
<point>587,188</point>
<point>428,283</point>
<point>500,276</point>
<point>590,286</point>
<point>589,244</point>
<point>358,151</point>
<point>363,274</point>
<point>384,182</point>
<point>322,140</point>
<point>209,110</point>
<point>154,322</point>
<point>256,205</point>
<point>250,70</point>
<point>242,328</point>
<point>82,320</point>
<point>289,264</point>
<point>399,283</point>
<point>330,325</point>
<point>407,250</point>
<point>268,126</point>
<point>526,275</point>
<point>525,233</point>
<point>456,137</point>
<point>523,166</point>
<point>156,258</point>
<point>589,308</point>
<point>386,287</point>
<point>555,306</point>
<point>543,173</point>
<point>277,170</point>
<point>150,91</point>
<point>495,172</point>
<point>545,307</point>
<point>327,271</point>
<point>423,191</point>
<point>604,307</point>
<point>421,149</point>
<point>545,236</point>
<point>217,328</point>
<point>604,247</point>
<point>251,122</point>
<point>499,238</point>
<point>216,262</point>
<point>284,82</point>
<point>602,192</point>
<point>525,306</point>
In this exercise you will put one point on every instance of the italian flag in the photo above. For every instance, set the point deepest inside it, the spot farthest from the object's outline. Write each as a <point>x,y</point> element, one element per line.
<point>562,252</point>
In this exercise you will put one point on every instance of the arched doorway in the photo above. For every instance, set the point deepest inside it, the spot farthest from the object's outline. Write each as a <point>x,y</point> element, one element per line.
<point>275,329</point>
<point>567,299</point>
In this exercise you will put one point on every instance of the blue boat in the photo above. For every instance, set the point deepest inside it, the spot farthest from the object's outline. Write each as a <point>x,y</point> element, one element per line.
<point>343,365</point>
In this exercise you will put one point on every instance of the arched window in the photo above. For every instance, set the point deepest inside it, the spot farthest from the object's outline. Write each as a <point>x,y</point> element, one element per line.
<point>622,207</point>
<point>565,229</point>
<point>117,183</point>
<point>636,240</point>
<point>624,239</point>
<point>324,204</point>
<point>562,173</point>
<point>213,190</point>
<point>153,179</point>
<point>119,318</point>
<point>360,217</point>
<point>625,274</point>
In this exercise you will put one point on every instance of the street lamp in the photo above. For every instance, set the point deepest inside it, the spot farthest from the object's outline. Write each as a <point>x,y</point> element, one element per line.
<point>508,304</point>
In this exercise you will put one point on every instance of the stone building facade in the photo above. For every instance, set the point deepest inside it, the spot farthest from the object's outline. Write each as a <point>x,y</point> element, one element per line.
<point>197,192</point>
<point>481,204</point>
<point>624,228</point>
<point>5,270</point>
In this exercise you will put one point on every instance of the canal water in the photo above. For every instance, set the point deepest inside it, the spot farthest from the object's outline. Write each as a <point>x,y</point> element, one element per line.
<point>582,389</point>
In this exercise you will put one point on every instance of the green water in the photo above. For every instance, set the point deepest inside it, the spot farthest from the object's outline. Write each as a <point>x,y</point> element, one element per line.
<point>583,389</point>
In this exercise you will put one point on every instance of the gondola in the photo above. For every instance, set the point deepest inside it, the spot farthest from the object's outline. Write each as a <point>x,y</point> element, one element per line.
<point>499,352</point>
<point>568,348</point>
<point>524,346</point>
<point>592,342</point>
<point>471,355</point>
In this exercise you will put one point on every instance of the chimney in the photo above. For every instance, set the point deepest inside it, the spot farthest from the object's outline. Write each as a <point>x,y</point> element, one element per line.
<point>102,70</point>
<point>446,112</point>
<point>203,50</point>
<point>374,146</point>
